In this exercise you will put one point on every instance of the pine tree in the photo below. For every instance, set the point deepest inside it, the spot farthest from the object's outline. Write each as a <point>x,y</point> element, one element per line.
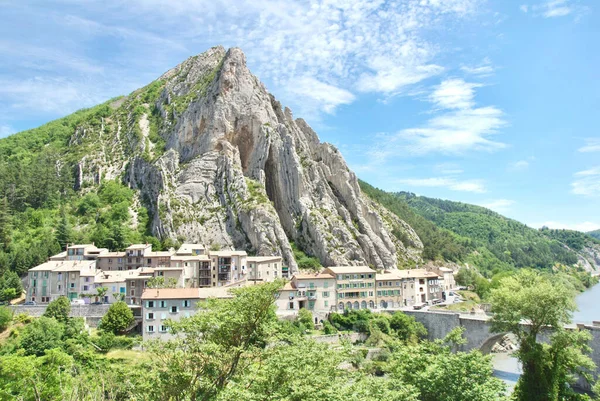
<point>63,231</point>
<point>5,224</point>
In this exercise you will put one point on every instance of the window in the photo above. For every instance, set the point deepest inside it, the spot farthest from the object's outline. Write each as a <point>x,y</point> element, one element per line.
<point>161,273</point>
<point>150,329</point>
<point>163,328</point>
<point>87,279</point>
<point>339,277</point>
<point>325,294</point>
<point>370,293</point>
<point>109,260</point>
<point>149,304</point>
<point>311,285</point>
<point>186,303</point>
<point>85,288</point>
<point>150,316</point>
<point>132,283</point>
<point>132,292</point>
<point>163,304</point>
<point>326,284</point>
<point>339,286</point>
<point>291,305</point>
<point>149,261</point>
<point>72,285</point>
<point>326,304</point>
<point>362,276</point>
<point>174,309</point>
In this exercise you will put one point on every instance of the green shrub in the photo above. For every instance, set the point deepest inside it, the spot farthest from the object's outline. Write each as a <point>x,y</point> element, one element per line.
<point>6,316</point>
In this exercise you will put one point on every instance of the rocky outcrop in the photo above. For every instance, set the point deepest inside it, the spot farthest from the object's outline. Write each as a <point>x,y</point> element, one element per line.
<point>239,171</point>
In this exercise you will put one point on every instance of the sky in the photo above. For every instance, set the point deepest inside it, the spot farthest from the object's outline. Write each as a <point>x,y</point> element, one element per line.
<point>495,103</point>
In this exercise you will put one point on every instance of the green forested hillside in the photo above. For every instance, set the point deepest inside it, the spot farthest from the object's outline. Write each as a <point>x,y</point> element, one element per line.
<point>455,231</point>
<point>40,210</point>
<point>511,242</point>
<point>595,234</point>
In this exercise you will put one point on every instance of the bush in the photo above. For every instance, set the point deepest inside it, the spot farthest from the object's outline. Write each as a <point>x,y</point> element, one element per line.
<point>59,309</point>
<point>6,316</point>
<point>42,334</point>
<point>23,318</point>
<point>328,328</point>
<point>118,318</point>
<point>305,318</point>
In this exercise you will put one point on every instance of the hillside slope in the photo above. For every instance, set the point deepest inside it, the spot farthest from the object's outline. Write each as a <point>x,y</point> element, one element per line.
<point>202,154</point>
<point>509,241</point>
<point>595,234</point>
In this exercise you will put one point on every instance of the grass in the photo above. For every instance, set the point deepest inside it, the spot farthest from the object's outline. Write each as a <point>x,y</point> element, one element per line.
<point>459,307</point>
<point>128,355</point>
<point>469,296</point>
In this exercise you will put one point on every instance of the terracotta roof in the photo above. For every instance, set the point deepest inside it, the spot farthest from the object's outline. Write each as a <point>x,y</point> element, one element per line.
<point>185,293</point>
<point>111,254</point>
<point>138,246</point>
<point>259,259</point>
<point>227,253</point>
<point>350,269</point>
<point>66,265</point>
<point>190,257</point>
<point>314,276</point>
<point>401,274</point>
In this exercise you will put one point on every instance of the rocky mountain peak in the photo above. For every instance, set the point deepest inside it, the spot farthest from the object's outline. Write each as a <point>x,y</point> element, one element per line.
<point>237,170</point>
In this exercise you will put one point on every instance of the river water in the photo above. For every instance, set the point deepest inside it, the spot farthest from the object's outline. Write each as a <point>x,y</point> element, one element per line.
<point>506,367</point>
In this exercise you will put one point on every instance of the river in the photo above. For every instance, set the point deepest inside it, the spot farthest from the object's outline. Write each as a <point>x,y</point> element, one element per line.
<point>506,367</point>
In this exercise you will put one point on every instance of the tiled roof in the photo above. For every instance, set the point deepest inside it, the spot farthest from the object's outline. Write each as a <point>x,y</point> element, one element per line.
<point>350,269</point>
<point>185,293</point>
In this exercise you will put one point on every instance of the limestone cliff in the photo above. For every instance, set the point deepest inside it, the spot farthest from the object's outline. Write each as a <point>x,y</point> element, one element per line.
<point>218,160</point>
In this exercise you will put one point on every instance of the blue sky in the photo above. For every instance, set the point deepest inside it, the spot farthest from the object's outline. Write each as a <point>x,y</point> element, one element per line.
<point>488,102</point>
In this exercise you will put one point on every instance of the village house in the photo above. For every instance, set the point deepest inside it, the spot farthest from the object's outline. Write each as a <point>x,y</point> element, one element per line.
<point>355,286</point>
<point>160,305</point>
<point>56,278</point>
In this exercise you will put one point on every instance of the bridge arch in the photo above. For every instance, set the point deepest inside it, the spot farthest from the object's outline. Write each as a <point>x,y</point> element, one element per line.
<point>488,344</point>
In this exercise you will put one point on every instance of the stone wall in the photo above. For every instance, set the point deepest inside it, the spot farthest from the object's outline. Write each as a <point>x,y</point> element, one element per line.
<point>438,324</point>
<point>76,310</point>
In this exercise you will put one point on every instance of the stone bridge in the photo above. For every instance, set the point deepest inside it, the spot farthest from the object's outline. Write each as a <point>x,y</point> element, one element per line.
<point>479,335</point>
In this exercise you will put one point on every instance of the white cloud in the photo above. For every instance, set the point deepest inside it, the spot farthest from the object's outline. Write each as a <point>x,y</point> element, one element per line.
<point>448,169</point>
<point>484,69</point>
<point>346,46</point>
<point>458,128</point>
<point>476,186</point>
<point>518,165</point>
<point>456,132</point>
<point>498,205</point>
<point>524,8</point>
<point>58,95</point>
<point>587,182</point>
<point>454,94</point>
<point>559,8</point>
<point>592,145</point>
<point>585,226</point>
<point>328,96</point>
<point>6,130</point>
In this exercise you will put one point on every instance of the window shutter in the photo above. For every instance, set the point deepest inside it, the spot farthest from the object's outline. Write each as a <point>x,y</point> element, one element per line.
<point>163,315</point>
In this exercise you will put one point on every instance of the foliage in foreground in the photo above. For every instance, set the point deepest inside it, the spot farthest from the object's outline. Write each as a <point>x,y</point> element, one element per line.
<point>542,302</point>
<point>234,349</point>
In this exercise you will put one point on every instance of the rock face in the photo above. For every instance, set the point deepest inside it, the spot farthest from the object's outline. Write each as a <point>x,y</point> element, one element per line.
<point>239,171</point>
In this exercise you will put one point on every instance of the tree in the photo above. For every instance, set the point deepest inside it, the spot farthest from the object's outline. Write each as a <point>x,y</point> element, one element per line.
<point>40,335</point>
<point>214,346</point>
<point>406,328</point>
<point>525,304</point>
<point>6,316</point>
<point>305,318</point>
<point>443,375</point>
<point>63,230</point>
<point>160,282</point>
<point>101,293</point>
<point>11,286</point>
<point>59,309</point>
<point>117,319</point>
<point>5,224</point>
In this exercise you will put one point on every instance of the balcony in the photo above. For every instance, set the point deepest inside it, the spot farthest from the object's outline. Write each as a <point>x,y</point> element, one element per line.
<point>224,276</point>
<point>312,297</point>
